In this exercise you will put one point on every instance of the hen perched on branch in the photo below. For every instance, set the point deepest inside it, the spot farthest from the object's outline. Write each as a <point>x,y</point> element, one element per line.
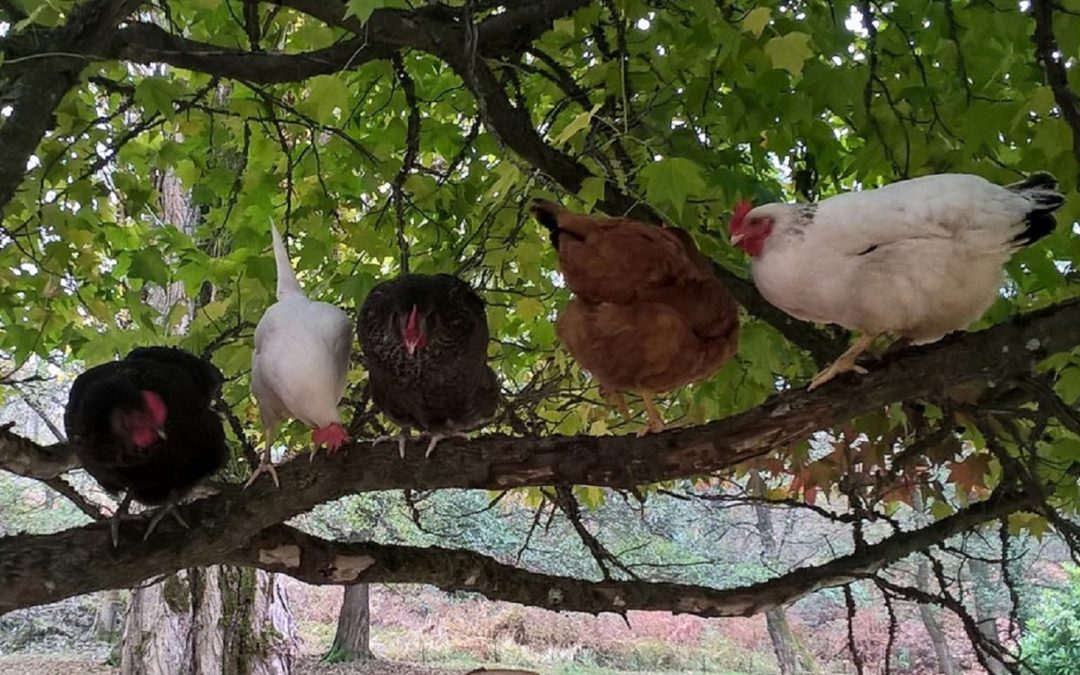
<point>916,259</point>
<point>143,426</point>
<point>300,363</point>
<point>424,340</point>
<point>649,313</point>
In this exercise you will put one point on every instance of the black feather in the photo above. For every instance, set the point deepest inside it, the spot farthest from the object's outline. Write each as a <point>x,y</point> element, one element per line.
<point>444,386</point>
<point>1041,190</point>
<point>194,446</point>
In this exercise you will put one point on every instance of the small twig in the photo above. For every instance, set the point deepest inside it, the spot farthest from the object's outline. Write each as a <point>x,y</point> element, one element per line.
<point>412,149</point>
<point>67,490</point>
<point>568,504</point>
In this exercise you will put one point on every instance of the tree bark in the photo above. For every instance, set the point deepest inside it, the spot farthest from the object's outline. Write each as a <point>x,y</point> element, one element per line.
<point>156,629</point>
<point>105,622</point>
<point>210,621</point>
<point>215,620</point>
<point>352,640</point>
<point>946,662</point>
<point>986,613</point>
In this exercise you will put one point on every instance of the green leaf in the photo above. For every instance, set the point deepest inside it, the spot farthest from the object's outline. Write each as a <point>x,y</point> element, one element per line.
<point>577,125</point>
<point>148,265</point>
<point>756,20</point>
<point>1068,385</point>
<point>592,189</point>
<point>325,94</point>
<point>156,95</point>
<point>789,52</point>
<point>362,9</point>
<point>1035,524</point>
<point>671,181</point>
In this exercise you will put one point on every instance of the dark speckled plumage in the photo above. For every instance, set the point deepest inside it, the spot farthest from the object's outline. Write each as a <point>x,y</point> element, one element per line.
<point>446,386</point>
<point>194,446</point>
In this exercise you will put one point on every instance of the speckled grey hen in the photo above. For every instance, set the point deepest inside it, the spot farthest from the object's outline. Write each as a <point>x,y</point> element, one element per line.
<point>424,340</point>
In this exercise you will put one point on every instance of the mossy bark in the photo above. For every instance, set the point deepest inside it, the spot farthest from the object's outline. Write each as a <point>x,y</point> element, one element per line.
<point>352,639</point>
<point>210,621</point>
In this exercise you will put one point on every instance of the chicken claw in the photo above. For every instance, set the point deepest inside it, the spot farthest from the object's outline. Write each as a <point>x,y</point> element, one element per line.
<point>655,423</point>
<point>168,509</point>
<point>264,467</point>
<point>616,400</point>
<point>435,438</point>
<point>121,513</point>
<point>401,439</point>
<point>845,363</point>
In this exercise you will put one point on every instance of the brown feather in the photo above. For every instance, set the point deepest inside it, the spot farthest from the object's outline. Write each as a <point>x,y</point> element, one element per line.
<point>650,314</point>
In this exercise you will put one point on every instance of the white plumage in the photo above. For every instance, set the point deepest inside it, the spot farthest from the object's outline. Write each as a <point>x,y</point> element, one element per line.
<point>300,362</point>
<point>916,259</point>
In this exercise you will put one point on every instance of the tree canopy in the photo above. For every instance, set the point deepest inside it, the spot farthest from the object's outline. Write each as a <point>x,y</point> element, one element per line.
<point>390,135</point>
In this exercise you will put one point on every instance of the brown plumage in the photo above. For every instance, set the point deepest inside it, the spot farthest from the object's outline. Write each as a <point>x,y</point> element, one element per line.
<point>649,314</point>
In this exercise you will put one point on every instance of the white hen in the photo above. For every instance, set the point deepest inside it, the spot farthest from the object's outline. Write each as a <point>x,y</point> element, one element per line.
<point>300,363</point>
<point>916,259</point>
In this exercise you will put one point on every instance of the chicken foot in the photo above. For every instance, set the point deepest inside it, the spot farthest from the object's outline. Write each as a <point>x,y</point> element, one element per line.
<point>845,363</point>
<point>401,439</point>
<point>265,466</point>
<point>656,422</point>
<point>121,513</point>
<point>616,400</point>
<point>436,437</point>
<point>169,508</point>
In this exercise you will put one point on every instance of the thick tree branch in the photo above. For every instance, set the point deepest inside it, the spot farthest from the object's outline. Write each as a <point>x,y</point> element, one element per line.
<point>997,355</point>
<point>26,458</point>
<point>1056,75</point>
<point>145,43</point>
<point>44,568</point>
<point>35,569</point>
<point>34,90</point>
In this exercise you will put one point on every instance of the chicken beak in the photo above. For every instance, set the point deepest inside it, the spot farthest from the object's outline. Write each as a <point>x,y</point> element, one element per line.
<point>412,334</point>
<point>161,433</point>
<point>736,238</point>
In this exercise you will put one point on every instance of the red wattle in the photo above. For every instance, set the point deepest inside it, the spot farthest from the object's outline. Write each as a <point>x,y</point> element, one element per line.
<point>333,436</point>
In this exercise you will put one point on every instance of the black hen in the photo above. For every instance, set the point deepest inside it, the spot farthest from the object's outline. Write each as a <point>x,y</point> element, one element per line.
<point>424,340</point>
<point>144,426</point>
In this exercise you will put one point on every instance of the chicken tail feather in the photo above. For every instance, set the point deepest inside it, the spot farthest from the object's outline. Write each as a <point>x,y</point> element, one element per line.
<point>1041,190</point>
<point>547,214</point>
<point>286,277</point>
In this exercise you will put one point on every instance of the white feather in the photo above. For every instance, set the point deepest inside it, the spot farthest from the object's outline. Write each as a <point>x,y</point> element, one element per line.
<point>919,258</point>
<point>301,356</point>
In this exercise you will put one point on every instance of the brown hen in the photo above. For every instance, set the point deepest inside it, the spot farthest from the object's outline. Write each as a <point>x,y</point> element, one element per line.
<point>649,314</point>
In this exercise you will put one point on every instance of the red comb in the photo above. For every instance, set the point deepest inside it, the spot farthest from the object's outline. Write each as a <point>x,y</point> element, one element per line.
<point>741,209</point>
<point>155,406</point>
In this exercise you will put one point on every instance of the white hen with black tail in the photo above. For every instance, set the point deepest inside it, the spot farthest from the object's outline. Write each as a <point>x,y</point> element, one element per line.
<point>917,259</point>
<point>300,364</point>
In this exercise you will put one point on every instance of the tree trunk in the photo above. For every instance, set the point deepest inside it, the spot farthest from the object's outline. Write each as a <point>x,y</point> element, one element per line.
<point>207,621</point>
<point>946,663</point>
<point>986,613</point>
<point>791,654</point>
<point>352,640</point>
<point>156,629</point>
<point>105,623</point>
<point>210,621</point>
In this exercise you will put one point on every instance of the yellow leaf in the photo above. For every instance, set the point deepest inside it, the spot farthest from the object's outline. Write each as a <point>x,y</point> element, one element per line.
<point>756,20</point>
<point>789,52</point>
<point>577,125</point>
